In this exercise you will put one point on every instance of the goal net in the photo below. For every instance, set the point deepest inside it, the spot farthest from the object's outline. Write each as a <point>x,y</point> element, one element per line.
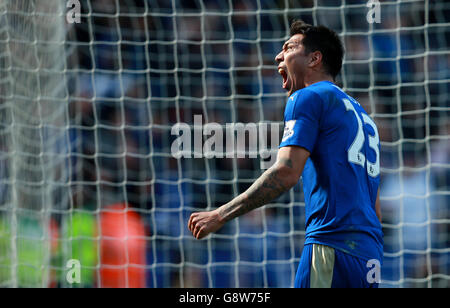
<point>33,138</point>
<point>95,96</point>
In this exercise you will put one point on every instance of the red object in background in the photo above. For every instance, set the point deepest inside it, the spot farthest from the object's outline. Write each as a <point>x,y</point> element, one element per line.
<point>122,248</point>
<point>54,246</point>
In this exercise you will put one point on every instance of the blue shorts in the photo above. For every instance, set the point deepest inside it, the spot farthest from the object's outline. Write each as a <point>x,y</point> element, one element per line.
<point>325,267</point>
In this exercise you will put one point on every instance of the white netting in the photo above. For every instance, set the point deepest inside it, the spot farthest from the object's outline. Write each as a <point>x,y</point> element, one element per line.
<point>33,136</point>
<point>86,151</point>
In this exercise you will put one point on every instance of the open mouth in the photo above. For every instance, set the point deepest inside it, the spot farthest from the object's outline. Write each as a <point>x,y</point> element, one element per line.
<point>283,74</point>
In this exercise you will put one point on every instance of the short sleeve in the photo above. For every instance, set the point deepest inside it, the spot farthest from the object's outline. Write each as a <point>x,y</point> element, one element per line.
<point>302,119</point>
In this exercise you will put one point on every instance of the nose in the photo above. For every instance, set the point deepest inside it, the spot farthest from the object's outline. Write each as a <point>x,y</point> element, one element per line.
<point>279,57</point>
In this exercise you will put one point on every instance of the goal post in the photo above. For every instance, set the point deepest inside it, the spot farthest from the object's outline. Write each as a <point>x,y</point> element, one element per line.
<point>118,119</point>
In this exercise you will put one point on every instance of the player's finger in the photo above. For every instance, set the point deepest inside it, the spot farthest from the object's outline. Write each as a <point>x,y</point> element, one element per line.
<point>191,221</point>
<point>193,225</point>
<point>192,228</point>
<point>203,233</point>
<point>199,232</point>
<point>196,231</point>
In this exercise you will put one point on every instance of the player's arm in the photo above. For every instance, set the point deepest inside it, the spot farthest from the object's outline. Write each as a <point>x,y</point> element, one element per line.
<point>276,180</point>
<point>377,206</point>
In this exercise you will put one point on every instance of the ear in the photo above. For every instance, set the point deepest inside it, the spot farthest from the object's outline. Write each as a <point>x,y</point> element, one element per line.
<point>315,58</point>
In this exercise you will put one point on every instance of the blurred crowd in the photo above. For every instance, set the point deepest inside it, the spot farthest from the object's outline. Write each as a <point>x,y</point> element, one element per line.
<point>143,66</point>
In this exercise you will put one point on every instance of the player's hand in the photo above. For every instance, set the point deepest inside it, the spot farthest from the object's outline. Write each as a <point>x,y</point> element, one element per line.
<point>203,223</point>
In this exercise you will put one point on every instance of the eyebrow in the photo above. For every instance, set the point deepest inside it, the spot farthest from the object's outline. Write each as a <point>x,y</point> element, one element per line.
<point>290,42</point>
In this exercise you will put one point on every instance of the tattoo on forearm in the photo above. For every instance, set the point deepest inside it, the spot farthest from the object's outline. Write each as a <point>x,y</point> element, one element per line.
<point>269,186</point>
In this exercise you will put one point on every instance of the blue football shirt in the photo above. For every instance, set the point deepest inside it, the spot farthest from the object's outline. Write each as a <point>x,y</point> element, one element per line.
<point>342,174</point>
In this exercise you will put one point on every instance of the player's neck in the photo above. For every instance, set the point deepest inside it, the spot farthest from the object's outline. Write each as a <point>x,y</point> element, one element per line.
<point>317,77</point>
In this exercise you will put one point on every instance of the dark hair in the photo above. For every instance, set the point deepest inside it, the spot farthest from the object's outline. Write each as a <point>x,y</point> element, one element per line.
<point>324,40</point>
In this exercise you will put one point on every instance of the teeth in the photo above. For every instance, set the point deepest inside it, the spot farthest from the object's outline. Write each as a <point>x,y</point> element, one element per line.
<point>280,70</point>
